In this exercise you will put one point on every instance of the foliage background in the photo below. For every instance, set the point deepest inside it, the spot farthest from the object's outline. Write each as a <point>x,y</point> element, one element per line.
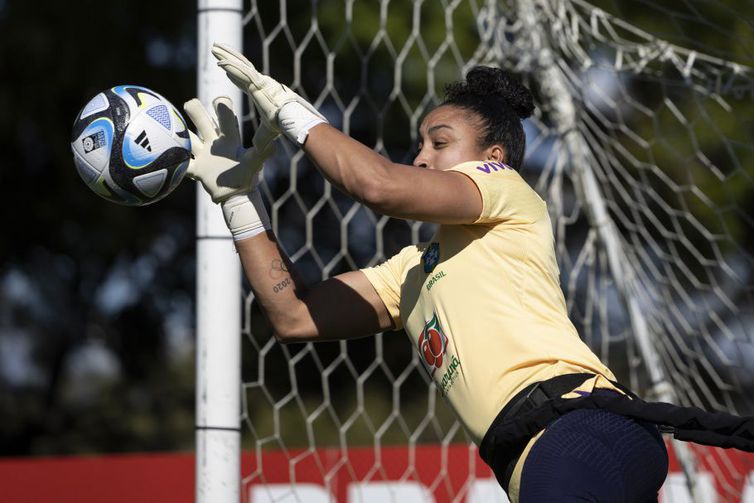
<point>96,300</point>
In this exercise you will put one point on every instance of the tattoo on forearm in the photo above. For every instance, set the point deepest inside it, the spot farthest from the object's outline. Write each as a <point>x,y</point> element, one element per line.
<point>282,285</point>
<point>278,269</point>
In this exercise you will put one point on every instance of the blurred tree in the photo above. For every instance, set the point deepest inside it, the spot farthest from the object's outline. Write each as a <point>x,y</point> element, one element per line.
<point>724,29</point>
<point>96,299</point>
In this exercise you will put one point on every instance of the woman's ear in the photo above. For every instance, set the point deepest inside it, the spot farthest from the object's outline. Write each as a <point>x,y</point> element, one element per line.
<point>496,153</point>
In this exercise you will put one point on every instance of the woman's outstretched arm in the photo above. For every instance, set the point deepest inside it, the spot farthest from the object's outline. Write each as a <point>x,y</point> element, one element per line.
<point>342,307</point>
<point>397,190</point>
<point>392,189</point>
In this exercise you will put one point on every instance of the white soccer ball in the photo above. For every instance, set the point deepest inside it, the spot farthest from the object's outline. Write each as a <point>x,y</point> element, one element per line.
<point>130,145</point>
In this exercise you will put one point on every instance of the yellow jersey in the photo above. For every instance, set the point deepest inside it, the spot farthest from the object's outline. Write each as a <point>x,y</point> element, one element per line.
<point>482,303</point>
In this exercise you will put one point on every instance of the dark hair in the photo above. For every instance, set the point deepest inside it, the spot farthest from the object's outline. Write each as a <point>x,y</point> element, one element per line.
<point>501,102</point>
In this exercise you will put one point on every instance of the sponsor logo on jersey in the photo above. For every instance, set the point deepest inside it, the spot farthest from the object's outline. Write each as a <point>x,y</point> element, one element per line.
<point>432,344</point>
<point>450,375</point>
<point>431,257</point>
<point>492,166</point>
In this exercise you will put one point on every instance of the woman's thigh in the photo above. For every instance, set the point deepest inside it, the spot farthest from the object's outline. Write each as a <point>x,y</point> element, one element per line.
<point>595,455</point>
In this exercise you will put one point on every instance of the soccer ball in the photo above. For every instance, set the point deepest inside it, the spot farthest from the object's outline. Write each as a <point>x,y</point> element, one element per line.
<point>130,145</point>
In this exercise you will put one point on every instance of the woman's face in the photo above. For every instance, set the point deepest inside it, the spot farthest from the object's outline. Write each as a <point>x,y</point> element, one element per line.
<point>449,136</point>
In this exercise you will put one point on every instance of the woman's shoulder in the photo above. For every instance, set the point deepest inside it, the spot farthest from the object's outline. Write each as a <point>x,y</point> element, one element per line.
<point>406,253</point>
<point>483,168</point>
<point>506,196</point>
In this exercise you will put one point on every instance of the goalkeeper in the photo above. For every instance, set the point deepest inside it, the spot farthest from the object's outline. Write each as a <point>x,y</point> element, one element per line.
<point>481,301</point>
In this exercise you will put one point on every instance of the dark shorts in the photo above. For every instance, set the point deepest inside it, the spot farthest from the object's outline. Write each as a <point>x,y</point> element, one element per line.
<point>595,455</point>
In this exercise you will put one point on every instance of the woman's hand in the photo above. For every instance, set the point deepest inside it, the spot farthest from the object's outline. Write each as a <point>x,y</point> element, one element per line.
<point>219,161</point>
<point>281,108</point>
<point>227,171</point>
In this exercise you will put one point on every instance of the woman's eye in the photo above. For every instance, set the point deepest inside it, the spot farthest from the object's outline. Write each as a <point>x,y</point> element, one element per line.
<point>439,144</point>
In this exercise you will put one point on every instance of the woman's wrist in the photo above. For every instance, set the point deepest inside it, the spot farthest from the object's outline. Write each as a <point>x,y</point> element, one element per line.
<point>245,215</point>
<point>296,120</point>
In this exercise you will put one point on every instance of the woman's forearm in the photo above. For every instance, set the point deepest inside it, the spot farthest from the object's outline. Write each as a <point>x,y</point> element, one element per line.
<point>348,164</point>
<point>341,307</point>
<point>277,287</point>
<point>392,189</point>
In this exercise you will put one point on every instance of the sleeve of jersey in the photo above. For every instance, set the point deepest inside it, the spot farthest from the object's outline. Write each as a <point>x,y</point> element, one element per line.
<point>506,197</point>
<point>386,279</point>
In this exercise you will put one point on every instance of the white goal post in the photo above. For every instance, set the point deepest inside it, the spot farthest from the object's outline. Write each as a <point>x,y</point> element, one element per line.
<point>643,148</point>
<point>218,289</point>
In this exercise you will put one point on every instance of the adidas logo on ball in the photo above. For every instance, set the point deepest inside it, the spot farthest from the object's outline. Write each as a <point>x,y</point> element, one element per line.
<point>143,140</point>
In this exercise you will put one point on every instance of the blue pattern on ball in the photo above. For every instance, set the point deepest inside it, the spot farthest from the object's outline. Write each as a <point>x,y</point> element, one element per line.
<point>160,114</point>
<point>97,104</point>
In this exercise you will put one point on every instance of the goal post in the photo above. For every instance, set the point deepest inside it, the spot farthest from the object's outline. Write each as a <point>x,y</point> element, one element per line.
<point>218,289</point>
<point>643,149</point>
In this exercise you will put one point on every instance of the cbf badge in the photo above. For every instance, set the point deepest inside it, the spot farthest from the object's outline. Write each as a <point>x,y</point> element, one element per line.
<point>431,257</point>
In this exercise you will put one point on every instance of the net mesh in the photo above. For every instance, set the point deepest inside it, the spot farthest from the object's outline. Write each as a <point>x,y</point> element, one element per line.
<point>660,122</point>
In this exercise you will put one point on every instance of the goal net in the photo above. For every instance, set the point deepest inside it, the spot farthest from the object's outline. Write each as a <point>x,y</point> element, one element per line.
<point>643,147</point>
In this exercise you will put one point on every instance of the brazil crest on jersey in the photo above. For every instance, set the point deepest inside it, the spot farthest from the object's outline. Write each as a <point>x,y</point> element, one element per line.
<point>431,257</point>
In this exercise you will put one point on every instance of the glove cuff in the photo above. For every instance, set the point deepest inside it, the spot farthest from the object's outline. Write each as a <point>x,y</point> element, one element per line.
<point>245,215</point>
<point>296,120</point>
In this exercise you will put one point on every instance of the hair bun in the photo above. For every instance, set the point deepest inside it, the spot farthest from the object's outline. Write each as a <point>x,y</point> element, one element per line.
<point>489,81</point>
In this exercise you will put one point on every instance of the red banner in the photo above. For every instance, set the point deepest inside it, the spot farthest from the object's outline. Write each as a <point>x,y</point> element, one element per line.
<point>427,472</point>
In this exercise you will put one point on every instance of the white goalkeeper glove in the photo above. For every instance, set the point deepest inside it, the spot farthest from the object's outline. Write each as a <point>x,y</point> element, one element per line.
<point>226,170</point>
<point>280,107</point>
